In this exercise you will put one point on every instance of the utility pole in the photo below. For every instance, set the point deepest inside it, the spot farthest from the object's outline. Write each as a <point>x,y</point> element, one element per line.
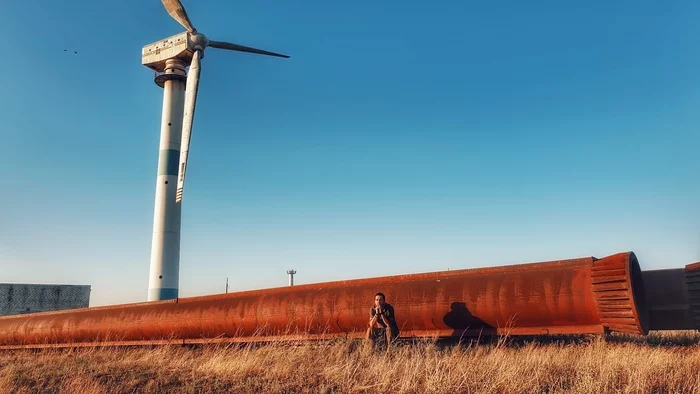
<point>291,276</point>
<point>227,284</point>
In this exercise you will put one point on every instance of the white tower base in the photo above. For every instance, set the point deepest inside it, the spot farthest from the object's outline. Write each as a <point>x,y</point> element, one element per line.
<point>163,282</point>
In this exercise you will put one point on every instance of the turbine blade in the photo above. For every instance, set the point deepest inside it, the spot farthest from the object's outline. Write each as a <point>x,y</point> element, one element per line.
<point>177,11</point>
<point>241,48</point>
<point>187,120</point>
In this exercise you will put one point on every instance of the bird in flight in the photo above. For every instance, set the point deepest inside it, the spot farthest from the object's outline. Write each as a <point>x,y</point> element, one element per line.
<point>65,50</point>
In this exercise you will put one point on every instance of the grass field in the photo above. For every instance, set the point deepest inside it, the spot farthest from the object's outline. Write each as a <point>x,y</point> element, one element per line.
<point>659,363</point>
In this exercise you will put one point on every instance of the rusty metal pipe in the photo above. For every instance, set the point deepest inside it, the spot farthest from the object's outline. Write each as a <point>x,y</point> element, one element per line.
<point>576,296</point>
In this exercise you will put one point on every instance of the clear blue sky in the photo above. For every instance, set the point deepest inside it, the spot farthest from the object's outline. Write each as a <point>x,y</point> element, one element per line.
<point>400,137</point>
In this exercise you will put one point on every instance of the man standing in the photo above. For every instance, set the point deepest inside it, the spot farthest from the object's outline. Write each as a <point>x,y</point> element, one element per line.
<point>382,322</point>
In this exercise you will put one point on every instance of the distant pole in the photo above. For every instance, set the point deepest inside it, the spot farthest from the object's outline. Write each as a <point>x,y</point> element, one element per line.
<point>227,284</point>
<point>291,277</point>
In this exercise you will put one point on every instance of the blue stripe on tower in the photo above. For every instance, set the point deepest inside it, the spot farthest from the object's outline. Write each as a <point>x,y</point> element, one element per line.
<point>162,294</point>
<point>168,161</point>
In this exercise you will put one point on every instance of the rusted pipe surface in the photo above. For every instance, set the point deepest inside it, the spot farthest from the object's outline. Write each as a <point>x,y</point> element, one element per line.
<point>619,294</point>
<point>559,297</point>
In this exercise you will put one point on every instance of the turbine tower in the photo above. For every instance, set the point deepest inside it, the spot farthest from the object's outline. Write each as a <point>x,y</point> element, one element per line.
<point>169,59</point>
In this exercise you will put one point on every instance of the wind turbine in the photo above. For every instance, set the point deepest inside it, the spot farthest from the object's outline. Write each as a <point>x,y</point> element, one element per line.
<point>169,59</point>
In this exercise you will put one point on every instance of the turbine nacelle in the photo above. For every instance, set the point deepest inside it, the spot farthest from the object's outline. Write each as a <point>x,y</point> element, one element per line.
<point>181,46</point>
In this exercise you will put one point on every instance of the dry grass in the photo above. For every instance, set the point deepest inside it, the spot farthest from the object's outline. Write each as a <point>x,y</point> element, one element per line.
<point>661,363</point>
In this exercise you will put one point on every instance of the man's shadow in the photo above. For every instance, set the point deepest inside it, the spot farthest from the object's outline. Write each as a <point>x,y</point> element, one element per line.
<point>461,320</point>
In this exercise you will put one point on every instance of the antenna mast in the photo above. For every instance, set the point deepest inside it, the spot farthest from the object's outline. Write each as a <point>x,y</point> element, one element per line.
<point>291,276</point>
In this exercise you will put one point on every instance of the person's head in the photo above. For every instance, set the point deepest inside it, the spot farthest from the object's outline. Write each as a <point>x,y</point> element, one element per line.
<point>379,299</point>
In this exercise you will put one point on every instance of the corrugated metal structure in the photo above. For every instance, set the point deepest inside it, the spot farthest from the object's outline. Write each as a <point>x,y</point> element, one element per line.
<point>21,298</point>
